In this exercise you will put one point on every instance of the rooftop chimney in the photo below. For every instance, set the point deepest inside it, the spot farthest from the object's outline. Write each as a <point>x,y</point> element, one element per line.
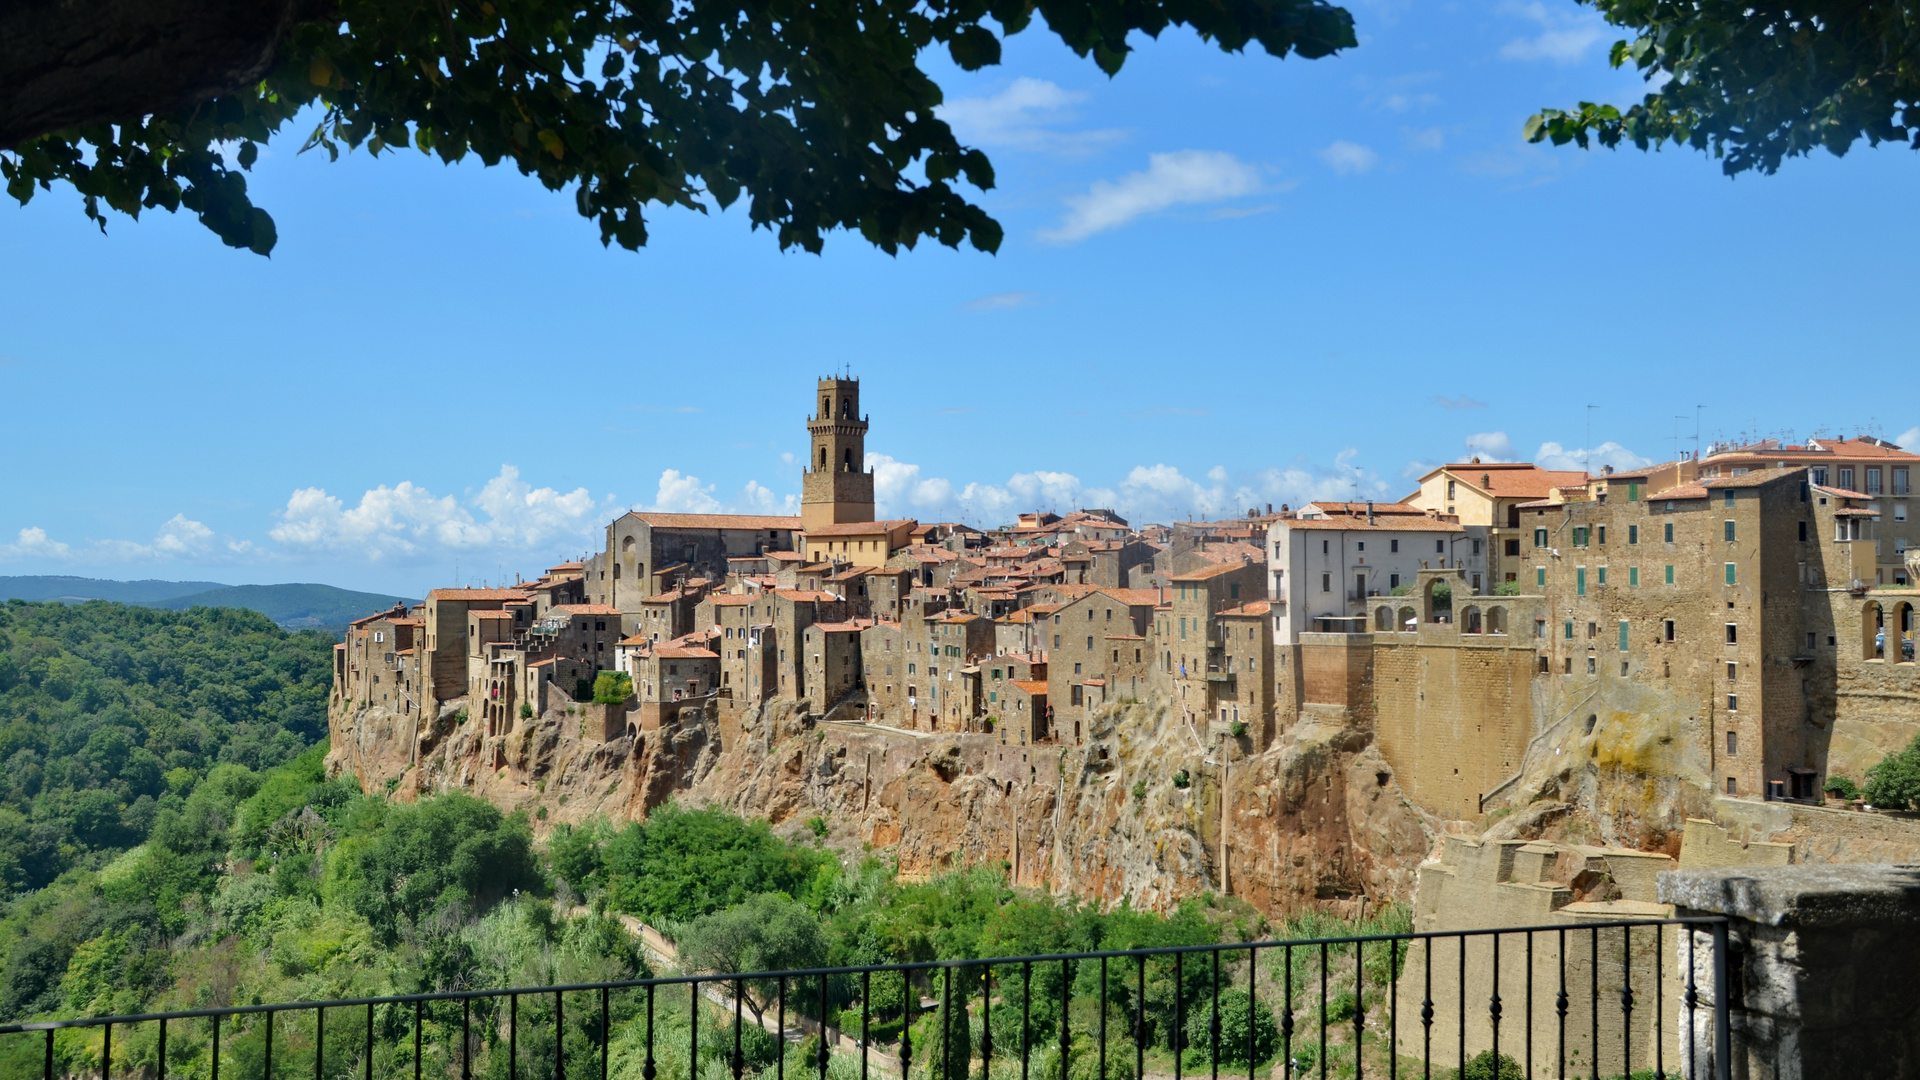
<point>1369,511</point>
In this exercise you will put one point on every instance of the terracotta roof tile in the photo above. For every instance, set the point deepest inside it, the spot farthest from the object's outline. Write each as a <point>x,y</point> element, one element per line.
<point>477,594</point>
<point>717,521</point>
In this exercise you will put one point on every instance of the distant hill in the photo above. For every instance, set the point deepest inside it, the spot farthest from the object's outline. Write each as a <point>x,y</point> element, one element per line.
<point>296,607</point>
<point>72,589</point>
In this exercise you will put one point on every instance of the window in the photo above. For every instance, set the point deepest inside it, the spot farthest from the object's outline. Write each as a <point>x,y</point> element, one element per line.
<point>1539,538</point>
<point>1590,665</point>
<point>1733,671</point>
<point>1603,576</point>
<point>1900,480</point>
<point>1873,480</point>
<point>1393,581</point>
<point>1450,489</point>
<point>1731,574</point>
<point>1593,630</point>
<point>1669,532</point>
<point>1513,547</point>
<point>1569,629</point>
<point>1326,582</point>
<point>1393,545</point>
<point>1476,547</point>
<point>1568,667</point>
<point>1846,477</point>
<point>1666,630</point>
<point>1579,536</point>
<point>1729,530</point>
<point>1669,573</point>
<point>1439,547</point>
<point>1362,546</point>
<point>1623,635</point>
<point>1543,665</point>
<point>1540,576</point>
<point>1732,788</point>
<point>1603,535</point>
<point>1728,501</point>
<point>1803,532</point>
<point>1633,534</point>
<point>1580,581</point>
<point>1540,628</point>
<point>1899,511</point>
<point>1089,645</point>
<point>1325,546</point>
<point>1733,704</point>
<point>1733,634</point>
<point>1633,577</point>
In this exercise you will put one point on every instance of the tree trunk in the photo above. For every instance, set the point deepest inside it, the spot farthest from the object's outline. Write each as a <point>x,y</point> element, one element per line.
<point>64,63</point>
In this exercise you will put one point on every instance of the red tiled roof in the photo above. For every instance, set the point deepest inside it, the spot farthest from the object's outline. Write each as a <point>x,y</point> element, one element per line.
<point>860,528</point>
<point>1206,572</point>
<point>802,595</point>
<point>717,521</point>
<point>491,614</point>
<point>1037,689</point>
<point>1257,607</point>
<point>673,652</point>
<point>1511,480</point>
<point>730,599</point>
<point>586,609</point>
<point>1135,597</point>
<point>477,594</point>
<point>1396,523</point>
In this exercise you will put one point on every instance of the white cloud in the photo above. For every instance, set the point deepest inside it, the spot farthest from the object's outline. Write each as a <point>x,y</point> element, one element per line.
<point>1490,446</point>
<point>33,543</point>
<point>1171,179</point>
<point>1554,456</point>
<point>1909,438</point>
<point>1023,117</point>
<point>1158,492</point>
<point>1002,301</point>
<point>408,520</point>
<point>1349,158</point>
<point>1432,138</point>
<point>1564,37</point>
<point>680,493</point>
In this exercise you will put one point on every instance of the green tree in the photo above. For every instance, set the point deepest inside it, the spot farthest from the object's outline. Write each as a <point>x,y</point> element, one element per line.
<point>1240,1016</point>
<point>681,864</point>
<point>1754,84</point>
<point>769,932</point>
<point>1894,783</point>
<point>1483,1067</point>
<point>449,852</point>
<point>818,114</point>
<point>612,687</point>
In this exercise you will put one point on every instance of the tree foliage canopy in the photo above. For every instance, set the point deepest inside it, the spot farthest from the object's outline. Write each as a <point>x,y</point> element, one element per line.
<point>816,112</point>
<point>1756,83</point>
<point>111,715</point>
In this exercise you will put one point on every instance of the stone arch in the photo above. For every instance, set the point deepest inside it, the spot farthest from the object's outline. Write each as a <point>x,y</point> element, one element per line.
<point>1873,626</point>
<point>1470,620</point>
<point>1900,642</point>
<point>1409,620</point>
<point>1383,620</point>
<point>846,408</point>
<point>846,459</point>
<point>826,408</point>
<point>1496,620</point>
<point>1438,605</point>
<point>823,457</point>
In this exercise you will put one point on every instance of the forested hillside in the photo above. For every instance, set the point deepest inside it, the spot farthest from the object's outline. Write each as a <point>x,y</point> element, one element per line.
<point>111,716</point>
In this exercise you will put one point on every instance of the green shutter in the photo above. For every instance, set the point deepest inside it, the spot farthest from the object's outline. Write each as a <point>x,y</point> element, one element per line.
<point>1730,574</point>
<point>1539,538</point>
<point>1603,576</point>
<point>1623,635</point>
<point>1633,492</point>
<point>1633,577</point>
<point>1580,581</point>
<point>1569,629</point>
<point>1540,576</point>
<point>1669,532</point>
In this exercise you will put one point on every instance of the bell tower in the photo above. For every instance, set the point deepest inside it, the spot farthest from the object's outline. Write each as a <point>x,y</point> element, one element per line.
<point>836,487</point>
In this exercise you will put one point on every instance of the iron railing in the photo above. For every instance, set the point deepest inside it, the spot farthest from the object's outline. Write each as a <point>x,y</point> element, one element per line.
<point>1404,999</point>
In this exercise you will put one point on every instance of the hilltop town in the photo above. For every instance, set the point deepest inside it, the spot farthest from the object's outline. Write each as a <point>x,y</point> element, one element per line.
<point>1290,706</point>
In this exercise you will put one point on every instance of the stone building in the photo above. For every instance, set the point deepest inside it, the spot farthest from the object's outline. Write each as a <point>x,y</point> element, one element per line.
<point>837,487</point>
<point>647,554</point>
<point>1328,565</point>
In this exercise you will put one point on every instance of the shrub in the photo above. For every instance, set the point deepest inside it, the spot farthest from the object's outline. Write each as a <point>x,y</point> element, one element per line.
<point>1237,729</point>
<point>1842,787</point>
<point>1140,790</point>
<point>612,687</point>
<point>1894,784</point>
<point>1238,1015</point>
<point>1182,780</point>
<point>526,711</point>
<point>1507,588</point>
<point>1482,1068</point>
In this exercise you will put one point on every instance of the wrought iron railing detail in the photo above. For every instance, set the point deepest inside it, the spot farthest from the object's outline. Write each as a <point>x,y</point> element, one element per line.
<point>977,988</point>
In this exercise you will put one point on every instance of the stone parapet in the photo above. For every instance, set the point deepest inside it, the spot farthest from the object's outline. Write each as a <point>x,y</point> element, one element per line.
<point>1821,969</point>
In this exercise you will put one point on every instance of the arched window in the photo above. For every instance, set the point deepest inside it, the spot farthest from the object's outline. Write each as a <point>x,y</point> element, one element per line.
<point>1496,620</point>
<point>1903,623</point>
<point>846,459</point>
<point>1409,620</point>
<point>1873,631</point>
<point>846,408</point>
<point>823,457</point>
<point>1383,619</point>
<point>1470,621</point>
<point>826,408</point>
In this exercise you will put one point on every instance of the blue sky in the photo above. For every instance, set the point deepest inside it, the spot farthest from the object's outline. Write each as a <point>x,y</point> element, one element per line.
<point>1227,281</point>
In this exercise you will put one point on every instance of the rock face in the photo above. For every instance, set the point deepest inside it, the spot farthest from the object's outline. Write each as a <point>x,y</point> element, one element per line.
<point>1143,811</point>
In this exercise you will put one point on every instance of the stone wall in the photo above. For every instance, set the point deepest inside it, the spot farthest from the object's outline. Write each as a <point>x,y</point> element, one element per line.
<point>1454,719</point>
